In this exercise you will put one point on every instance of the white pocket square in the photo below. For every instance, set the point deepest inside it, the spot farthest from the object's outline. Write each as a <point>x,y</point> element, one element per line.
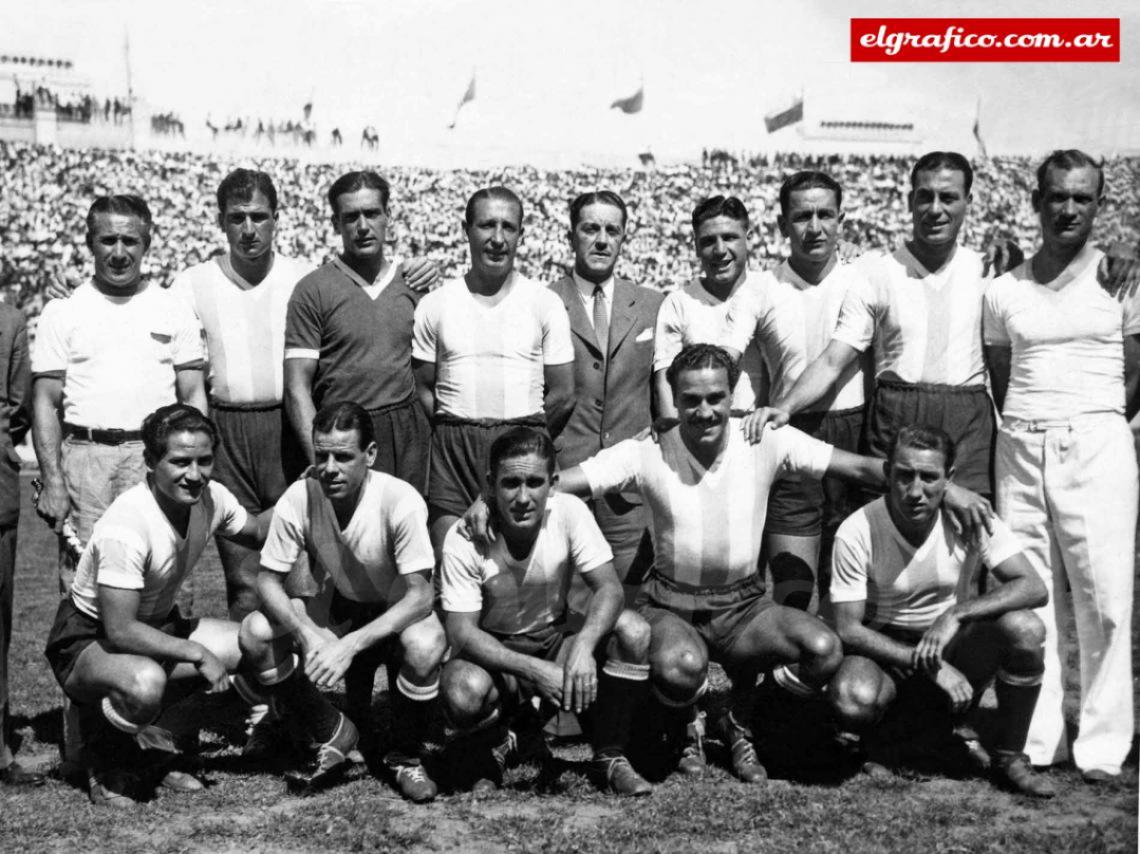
<point>646,335</point>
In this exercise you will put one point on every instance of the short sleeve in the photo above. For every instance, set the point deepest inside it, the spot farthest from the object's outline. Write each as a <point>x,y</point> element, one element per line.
<point>411,544</point>
<point>744,313</point>
<point>994,332</point>
<point>304,325</point>
<point>668,337</point>
<point>588,546</point>
<point>425,328</point>
<point>857,314</point>
<point>1000,546</point>
<point>120,558</point>
<point>286,539</point>
<point>460,576</point>
<point>557,348</point>
<point>229,516</point>
<point>614,469</point>
<point>188,347</point>
<point>50,352</point>
<point>799,452</point>
<point>850,557</point>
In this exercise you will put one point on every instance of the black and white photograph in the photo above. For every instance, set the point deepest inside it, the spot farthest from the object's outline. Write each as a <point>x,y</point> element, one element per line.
<point>608,426</point>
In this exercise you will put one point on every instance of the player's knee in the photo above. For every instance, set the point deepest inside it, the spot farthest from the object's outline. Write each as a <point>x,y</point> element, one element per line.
<point>466,691</point>
<point>821,649</point>
<point>632,632</point>
<point>143,690</point>
<point>424,645</point>
<point>255,634</point>
<point>1023,630</point>
<point>856,700</point>
<point>680,672</point>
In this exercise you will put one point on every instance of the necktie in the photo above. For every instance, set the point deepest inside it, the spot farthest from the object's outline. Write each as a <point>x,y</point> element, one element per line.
<point>601,321</point>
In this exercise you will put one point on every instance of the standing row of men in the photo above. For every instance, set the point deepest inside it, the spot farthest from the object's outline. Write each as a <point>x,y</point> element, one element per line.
<point>478,380</point>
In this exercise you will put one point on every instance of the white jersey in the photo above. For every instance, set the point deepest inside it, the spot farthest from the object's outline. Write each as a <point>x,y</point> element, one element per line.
<point>707,523</point>
<point>926,326</point>
<point>792,321</point>
<point>691,315</point>
<point>386,537</point>
<point>1066,339</point>
<point>517,595</point>
<point>118,355</point>
<point>134,547</point>
<point>489,358</point>
<point>244,325</point>
<point>904,586</point>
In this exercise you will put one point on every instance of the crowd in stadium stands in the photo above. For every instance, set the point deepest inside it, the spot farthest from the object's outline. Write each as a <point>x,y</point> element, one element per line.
<point>48,191</point>
<point>71,107</point>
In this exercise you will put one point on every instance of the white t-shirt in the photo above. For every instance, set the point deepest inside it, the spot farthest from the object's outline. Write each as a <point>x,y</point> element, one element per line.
<point>792,321</point>
<point>707,523</point>
<point>691,315</point>
<point>134,547</point>
<point>926,327</point>
<point>118,355</point>
<point>489,359</point>
<point>904,586</point>
<point>1066,340</point>
<point>527,595</point>
<point>387,536</point>
<point>244,325</point>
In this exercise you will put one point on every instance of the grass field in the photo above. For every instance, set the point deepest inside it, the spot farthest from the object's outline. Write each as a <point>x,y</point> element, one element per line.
<point>252,812</point>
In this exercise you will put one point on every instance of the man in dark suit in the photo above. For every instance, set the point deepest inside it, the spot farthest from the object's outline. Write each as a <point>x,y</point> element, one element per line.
<point>15,419</point>
<point>611,323</point>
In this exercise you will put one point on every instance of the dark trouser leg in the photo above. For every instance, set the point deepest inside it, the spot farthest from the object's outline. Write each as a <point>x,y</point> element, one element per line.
<point>7,579</point>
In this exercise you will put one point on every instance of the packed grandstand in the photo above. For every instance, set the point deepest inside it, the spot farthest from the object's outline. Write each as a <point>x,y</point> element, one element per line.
<point>47,191</point>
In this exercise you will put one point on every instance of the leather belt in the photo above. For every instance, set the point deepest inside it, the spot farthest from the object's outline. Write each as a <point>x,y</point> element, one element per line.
<point>108,436</point>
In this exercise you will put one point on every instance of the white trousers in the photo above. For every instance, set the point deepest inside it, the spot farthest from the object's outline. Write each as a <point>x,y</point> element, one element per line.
<point>1070,494</point>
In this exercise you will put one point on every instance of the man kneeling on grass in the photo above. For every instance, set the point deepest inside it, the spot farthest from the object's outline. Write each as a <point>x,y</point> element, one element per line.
<point>119,646</point>
<point>900,580</point>
<point>505,607</point>
<point>367,532</point>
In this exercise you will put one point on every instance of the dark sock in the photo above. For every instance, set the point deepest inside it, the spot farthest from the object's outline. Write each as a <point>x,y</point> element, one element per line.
<point>1015,710</point>
<point>619,698</point>
<point>299,698</point>
<point>412,719</point>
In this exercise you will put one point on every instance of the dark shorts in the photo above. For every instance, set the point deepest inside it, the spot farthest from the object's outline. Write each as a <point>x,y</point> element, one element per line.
<point>549,644</point>
<point>346,615</point>
<point>802,506</point>
<point>719,614</point>
<point>74,631</point>
<point>972,642</point>
<point>258,454</point>
<point>459,456</point>
<point>966,413</point>
<point>402,434</point>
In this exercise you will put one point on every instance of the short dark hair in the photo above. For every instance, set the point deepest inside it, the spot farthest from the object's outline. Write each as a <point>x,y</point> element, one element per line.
<point>364,179</point>
<point>808,179</point>
<point>167,420</point>
<point>241,184</point>
<point>501,193</point>
<point>696,357</point>
<point>122,204</point>
<point>345,415</point>
<point>932,161</point>
<point>518,442</point>
<point>597,197</point>
<point>923,437</point>
<point>714,206</point>
<point>1067,159</point>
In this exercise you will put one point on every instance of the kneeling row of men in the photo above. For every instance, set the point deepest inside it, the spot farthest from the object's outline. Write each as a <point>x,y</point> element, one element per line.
<point>505,650</point>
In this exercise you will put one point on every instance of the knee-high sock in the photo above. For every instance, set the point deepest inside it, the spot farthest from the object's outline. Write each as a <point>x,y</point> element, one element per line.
<point>414,707</point>
<point>622,689</point>
<point>296,695</point>
<point>1017,697</point>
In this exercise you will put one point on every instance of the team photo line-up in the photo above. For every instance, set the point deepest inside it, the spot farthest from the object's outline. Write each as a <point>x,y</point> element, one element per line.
<point>548,509</point>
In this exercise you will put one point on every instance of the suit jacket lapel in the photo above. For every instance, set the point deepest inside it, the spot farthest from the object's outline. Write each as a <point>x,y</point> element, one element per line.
<point>623,315</point>
<point>580,324</point>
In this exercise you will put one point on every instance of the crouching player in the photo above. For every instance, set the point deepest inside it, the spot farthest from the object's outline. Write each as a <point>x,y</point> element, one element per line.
<point>367,532</point>
<point>119,646</point>
<point>505,608</point>
<point>900,573</point>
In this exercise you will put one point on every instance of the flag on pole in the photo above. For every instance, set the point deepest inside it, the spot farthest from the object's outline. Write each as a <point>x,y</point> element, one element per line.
<point>632,104</point>
<point>468,96</point>
<point>978,130</point>
<point>795,113</point>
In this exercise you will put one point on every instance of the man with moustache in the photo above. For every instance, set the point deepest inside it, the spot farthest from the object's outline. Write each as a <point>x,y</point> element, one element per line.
<point>695,313</point>
<point>790,313</point>
<point>611,324</point>
<point>348,332</point>
<point>491,351</point>
<point>1061,352</point>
